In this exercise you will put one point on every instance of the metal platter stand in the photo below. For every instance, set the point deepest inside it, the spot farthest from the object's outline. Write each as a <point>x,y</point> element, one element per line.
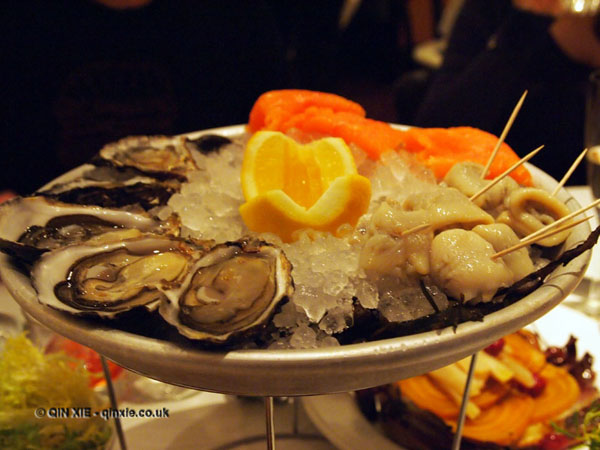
<point>270,434</point>
<point>293,373</point>
<point>290,373</point>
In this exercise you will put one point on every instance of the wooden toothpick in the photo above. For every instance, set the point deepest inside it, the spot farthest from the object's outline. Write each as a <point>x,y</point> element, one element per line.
<point>528,241</point>
<point>511,119</point>
<point>506,172</point>
<point>421,227</point>
<point>569,173</point>
<point>562,220</point>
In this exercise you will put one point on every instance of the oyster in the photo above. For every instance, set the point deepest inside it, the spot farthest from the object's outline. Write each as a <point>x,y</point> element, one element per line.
<point>231,291</point>
<point>143,191</point>
<point>106,179</point>
<point>114,277</point>
<point>44,223</point>
<point>158,156</point>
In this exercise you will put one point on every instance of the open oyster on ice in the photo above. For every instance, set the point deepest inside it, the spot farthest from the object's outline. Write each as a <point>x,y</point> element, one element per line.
<point>106,278</point>
<point>231,291</point>
<point>32,225</point>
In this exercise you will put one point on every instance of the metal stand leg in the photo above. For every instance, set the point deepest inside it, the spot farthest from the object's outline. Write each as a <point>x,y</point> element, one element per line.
<point>298,438</point>
<point>269,423</point>
<point>296,405</point>
<point>463,406</point>
<point>113,402</point>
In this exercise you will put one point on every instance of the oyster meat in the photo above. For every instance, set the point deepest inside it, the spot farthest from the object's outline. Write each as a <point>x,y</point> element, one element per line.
<point>44,223</point>
<point>110,278</point>
<point>232,291</point>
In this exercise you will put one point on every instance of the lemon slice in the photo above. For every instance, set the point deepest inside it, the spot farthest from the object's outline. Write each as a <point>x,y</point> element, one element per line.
<point>289,186</point>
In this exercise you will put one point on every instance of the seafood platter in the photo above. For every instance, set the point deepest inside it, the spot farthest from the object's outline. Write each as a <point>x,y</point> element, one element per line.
<point>312,250</point>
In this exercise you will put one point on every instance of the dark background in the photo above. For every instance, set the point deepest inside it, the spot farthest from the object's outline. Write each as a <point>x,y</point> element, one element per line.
<point>78,74</point>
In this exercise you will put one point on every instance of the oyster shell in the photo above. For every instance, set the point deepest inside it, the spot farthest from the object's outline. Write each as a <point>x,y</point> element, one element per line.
<point>44,223</point>
<point>143,191</point>
<point>159,156</point>
<point>114,277</point>
<point>231,291</point>
<point>88,180</point>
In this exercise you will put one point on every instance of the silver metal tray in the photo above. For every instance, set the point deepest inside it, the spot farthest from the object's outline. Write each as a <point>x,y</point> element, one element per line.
<point>305,372</point>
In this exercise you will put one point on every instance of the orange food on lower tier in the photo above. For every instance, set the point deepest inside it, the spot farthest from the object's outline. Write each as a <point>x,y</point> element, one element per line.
<point>501,423</point>
<point>519,346</point>
<point>90,359</point>
<point>319,114</point>
<point>561,392</point>
<point>508,412</point>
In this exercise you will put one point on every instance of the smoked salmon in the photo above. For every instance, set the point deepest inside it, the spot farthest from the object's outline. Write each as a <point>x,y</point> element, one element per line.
<point>316,114</point>
<point>441,148</point>
<point>272,109</point>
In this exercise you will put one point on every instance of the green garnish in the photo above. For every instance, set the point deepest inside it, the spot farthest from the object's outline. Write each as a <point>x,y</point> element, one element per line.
<point>32,437</point>
<point>30,379</point>
<point>583,426</point>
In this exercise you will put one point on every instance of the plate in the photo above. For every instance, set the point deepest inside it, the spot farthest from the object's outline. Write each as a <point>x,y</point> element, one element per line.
<point>312,371</point>
<point>340,420</point>
<point>223,423</point>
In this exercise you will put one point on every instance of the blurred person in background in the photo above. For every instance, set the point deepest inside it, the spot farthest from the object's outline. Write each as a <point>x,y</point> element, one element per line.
<point>81,73</point>
<point>498,49</point>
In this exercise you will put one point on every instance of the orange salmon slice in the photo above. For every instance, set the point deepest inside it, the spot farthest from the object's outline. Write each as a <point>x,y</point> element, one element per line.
<point>273,109</point>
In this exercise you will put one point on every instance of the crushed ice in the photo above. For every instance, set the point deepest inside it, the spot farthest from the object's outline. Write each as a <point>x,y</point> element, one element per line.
<point>326,270</point>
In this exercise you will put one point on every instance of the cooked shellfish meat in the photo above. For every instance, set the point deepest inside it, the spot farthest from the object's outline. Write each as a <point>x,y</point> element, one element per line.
<point>530,209</point>
<point>388,251</point>
<point>466,177</point>
<point>462,265</point>
<point>402,257</point>
<point>501,236</point>
<point>446,208</point>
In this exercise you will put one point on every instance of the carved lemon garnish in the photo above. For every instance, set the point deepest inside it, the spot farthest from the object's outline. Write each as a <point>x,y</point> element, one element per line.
<point>289,186</point>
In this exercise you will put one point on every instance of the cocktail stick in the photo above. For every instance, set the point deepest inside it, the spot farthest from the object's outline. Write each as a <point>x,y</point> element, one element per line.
<point>569,172</point>
<point>415,229</point>
<point>511,119</point>
<point>506,172</point>
<point>528,241</point>
<point>562,220</point>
